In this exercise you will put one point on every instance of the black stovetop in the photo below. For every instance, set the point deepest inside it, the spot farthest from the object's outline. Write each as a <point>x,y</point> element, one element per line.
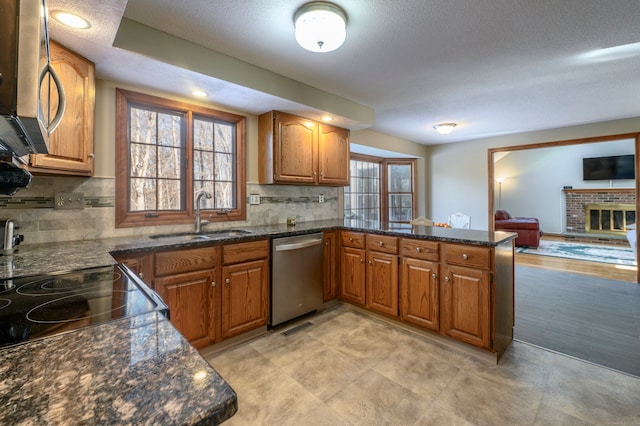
<point>44,305</point>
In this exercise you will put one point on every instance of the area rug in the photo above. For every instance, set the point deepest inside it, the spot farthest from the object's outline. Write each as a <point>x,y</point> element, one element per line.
<point>580,251</point>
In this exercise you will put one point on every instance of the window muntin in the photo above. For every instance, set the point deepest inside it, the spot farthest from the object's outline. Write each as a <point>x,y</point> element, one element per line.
<point>362,196</point>
<point>167,151</point>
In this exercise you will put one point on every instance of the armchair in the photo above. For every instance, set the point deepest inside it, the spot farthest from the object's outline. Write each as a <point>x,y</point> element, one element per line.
<point>527,228</point>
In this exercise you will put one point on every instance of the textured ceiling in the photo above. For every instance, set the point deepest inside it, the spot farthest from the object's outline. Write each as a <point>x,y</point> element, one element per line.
<point>493,66</point>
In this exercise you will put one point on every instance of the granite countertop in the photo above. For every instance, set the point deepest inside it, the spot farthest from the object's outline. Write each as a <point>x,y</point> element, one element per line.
<point>72,255</point>
<point>151,376</point>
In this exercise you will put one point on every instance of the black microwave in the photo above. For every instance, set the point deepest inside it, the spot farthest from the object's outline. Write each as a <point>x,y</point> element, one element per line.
<point>26,79</point>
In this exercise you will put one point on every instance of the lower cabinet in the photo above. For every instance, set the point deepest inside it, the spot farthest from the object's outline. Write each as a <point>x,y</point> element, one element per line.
<point>140,263</point>
<point>187,281</point>
<point>245,288</point>
<point>419,293</point>
<point>330,258</point>
<point>382,282</point>
<point>191,298</point>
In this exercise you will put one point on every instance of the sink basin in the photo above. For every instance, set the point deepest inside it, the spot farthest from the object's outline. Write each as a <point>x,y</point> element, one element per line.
<point>206,235</point>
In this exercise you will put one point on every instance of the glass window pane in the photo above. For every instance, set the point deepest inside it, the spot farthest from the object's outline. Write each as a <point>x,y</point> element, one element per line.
<point>205,203</point>
<point>224,138</point>
<point>224,195</point>
<point>143,160</point>
<point>203,165</point>
<point>203,135</point>
<point>399,178</point>
<point>169,194</point>
<point>169,130</point>
<point>142,195</point>
<point>169,162</point>
<point>142,126</point>
<point>224,167</point>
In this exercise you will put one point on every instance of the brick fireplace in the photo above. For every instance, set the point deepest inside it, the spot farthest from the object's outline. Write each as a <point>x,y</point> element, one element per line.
<point>599,212</point>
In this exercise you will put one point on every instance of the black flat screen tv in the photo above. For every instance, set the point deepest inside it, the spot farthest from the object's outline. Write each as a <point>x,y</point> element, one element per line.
<point>609,168</point>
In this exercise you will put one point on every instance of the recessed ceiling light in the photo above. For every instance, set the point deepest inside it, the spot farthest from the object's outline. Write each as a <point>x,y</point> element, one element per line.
<point>71,19</point>
<point>327,118</point>
<point>199,93</point>
<point>445,128</point>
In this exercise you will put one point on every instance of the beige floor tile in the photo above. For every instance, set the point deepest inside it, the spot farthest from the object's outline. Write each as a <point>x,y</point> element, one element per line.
<point>550,416</point>
<point>438,416</point>
<point>373,399</point>
<point>242,365</point>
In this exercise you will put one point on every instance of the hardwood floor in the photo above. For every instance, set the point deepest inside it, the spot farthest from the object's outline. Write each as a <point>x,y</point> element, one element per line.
<point>594,269</point>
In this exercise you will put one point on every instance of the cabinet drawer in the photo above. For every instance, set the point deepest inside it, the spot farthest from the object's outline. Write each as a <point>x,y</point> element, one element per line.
<point>188,260</point>
<point>352,239</point>
<point>418,249</point>
<point>243,252</point>
<point>472,256</point>
<point>382,243</point>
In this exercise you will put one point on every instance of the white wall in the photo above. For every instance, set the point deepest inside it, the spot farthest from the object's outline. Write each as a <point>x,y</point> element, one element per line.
<point>533,179</point>
<point>459,171</point>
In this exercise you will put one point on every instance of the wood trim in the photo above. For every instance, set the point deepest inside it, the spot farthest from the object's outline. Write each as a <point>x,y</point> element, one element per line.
<point>592,190</point>
<point>595,139</point>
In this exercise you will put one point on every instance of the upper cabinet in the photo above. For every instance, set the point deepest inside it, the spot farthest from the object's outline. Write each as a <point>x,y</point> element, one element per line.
<point>295,150</point>
<point>71,144</point>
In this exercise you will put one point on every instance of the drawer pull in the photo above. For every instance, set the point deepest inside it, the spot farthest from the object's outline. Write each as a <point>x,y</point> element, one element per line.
<point>213,283</point>
<point>446,279</point>
<point>227,281</point>
<point>434,276</point>
<point>380,244</point>
<point>370,263</point>
<point>350,239</point>
<point>418,249</point>
<point>465,256</point>
<point>361,260</point>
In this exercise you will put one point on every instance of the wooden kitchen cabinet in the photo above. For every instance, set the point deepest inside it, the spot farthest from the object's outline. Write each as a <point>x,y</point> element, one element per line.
<point>382,274</point>
<point>245,288</point>
<point>187,280</point>
<point>71,144</point>
<point>330,291</point>
<point>465,290</point>
<point>419,283</point>
<point>352,267</point>
<point>296,150</point>
<point>140,263</point>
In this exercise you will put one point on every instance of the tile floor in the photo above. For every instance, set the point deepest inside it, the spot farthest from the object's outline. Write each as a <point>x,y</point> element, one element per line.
<point>349,368</point>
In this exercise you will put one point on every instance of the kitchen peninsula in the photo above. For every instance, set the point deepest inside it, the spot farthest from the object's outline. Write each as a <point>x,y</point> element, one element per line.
<point>140,369</point>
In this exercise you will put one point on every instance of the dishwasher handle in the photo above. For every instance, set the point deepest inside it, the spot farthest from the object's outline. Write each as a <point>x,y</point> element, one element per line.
<point>300,245</point>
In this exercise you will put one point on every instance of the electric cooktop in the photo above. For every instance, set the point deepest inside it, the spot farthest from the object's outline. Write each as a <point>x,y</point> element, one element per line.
<point>43,305</point>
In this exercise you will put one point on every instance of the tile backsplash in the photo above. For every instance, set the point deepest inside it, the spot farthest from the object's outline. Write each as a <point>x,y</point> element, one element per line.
<point>33,209</point>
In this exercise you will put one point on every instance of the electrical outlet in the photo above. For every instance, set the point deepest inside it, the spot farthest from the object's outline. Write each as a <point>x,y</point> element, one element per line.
<point>68,200</point>
<point>254,199</point>
<point>321,198</point>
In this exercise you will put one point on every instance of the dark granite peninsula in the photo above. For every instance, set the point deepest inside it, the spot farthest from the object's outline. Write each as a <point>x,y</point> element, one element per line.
<point>136,370</point>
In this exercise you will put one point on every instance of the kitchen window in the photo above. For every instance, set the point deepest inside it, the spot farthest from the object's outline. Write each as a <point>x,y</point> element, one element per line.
<point>381,190</point>
<point>168,151</point>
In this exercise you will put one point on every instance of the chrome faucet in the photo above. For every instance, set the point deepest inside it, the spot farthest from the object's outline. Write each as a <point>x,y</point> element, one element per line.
<point>201,193</point>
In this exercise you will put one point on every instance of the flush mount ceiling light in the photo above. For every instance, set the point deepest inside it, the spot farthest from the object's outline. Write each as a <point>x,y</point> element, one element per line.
<point>70,19</point>
<point>444,128</point>
<point>320,26</point>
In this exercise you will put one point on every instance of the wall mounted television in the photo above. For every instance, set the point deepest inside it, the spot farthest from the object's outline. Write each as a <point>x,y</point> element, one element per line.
<point>609,168</point>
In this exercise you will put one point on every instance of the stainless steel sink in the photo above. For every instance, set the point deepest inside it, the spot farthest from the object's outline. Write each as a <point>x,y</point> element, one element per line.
<point>205,235</point>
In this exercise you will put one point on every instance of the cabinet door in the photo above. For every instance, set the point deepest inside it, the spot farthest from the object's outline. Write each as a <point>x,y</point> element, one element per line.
<point>295,149</point>
<point>352,270</point>
<point>382,283</point>
<point>141,264</point>
<point>71,144</point>
<point>333,155</point>
<point>330,260</point>
<point>245,297</point>
<point>465,297</point>
<point>191,299</point>
<point>419,303</point>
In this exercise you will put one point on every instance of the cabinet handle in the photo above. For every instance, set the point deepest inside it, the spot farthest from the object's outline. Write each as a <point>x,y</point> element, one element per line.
<point>434,276</point>
<point>446,279</point>
<point>465,256</point>
<point>418,249</point>
<point>213,283</point>
<point>141,275</point>
<point>380,244</point>
<point>350,239</point>
<point>227,281</point>
<point>370,263</point>
<point>92,155</point>
<point>361,260</point>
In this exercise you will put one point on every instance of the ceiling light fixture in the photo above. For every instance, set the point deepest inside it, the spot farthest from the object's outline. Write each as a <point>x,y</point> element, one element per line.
<point>199,93</point>
<point>327,118</point>
<point>445,128</point>
<point>71,19</point>
<point>320,26</point>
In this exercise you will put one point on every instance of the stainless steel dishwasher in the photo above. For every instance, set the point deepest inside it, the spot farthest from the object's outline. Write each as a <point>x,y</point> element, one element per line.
<point>296,276</point>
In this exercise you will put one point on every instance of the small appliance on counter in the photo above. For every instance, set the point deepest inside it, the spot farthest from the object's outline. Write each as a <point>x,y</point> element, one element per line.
<point>9,240</point>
